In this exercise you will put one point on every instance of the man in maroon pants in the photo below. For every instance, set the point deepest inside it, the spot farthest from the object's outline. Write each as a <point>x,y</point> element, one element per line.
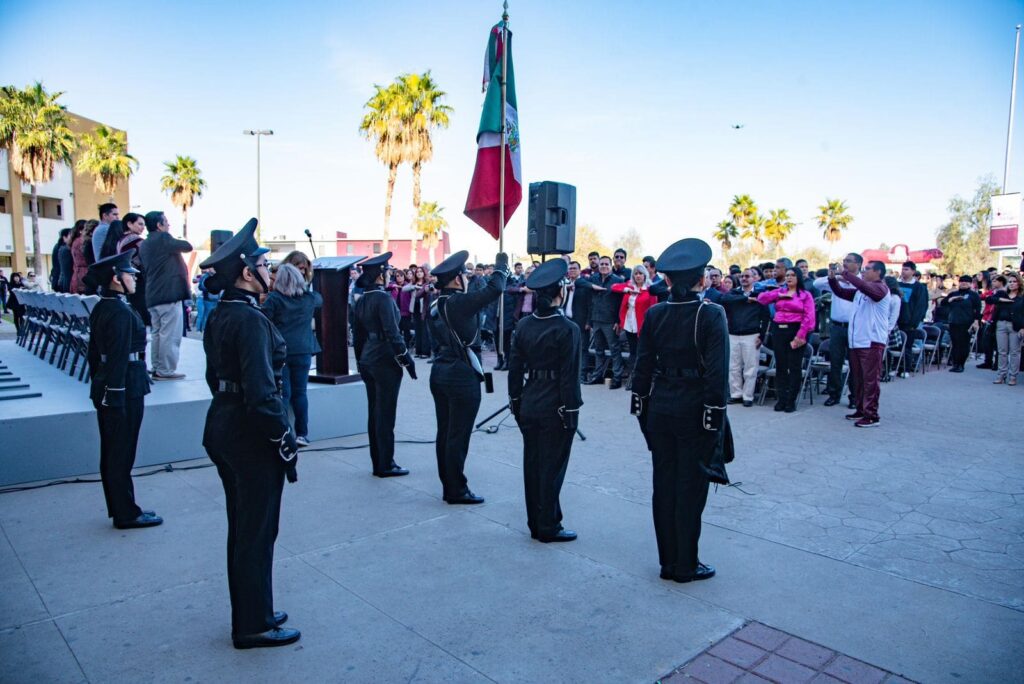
<point>868,334</point>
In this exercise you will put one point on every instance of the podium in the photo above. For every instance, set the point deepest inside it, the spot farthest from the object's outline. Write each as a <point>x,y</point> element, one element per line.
<point>331,279</point>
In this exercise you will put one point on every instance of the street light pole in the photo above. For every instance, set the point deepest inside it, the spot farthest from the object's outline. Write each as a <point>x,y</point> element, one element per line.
<point>259,216</point>
<point>1013,101</point>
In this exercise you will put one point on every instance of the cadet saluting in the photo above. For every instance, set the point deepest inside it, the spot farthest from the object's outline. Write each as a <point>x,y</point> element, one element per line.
<point>247,433</point>
<point>381,354</point>
<point>546,348</point>
<point>117,366</point>
<point>456,373</point>
<point>680,389</point>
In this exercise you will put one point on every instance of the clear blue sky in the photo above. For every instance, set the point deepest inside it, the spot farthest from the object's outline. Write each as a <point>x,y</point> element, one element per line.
<point>891,106</point>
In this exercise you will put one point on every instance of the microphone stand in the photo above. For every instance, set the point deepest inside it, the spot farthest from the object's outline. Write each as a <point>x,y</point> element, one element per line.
<point>309,236</point>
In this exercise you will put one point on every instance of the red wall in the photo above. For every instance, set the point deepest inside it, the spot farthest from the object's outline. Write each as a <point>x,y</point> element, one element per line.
<point>401,250</point>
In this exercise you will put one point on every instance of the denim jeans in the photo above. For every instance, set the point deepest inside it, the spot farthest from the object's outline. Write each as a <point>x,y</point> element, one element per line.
<point>294,378</point>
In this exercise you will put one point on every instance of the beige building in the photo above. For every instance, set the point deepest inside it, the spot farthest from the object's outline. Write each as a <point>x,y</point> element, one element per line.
<point>65,199</point>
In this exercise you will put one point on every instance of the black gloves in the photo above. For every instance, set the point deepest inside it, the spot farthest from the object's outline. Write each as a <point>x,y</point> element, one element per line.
<point>288,450</point>
<point>714,417</point>
<point>570,418</point>
<point>515,405</point>
<point>406,362</point>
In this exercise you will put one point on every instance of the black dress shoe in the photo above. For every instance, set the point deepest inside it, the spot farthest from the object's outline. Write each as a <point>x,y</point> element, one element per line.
<point>595,381</point>
<point>393,471</point>
<point>736,400</point>
<point>560,536</point>
<point>280,617</point>
<point>279,636</point>
<point>702,572</point>
<point>986,366</point>
<point>851,404</point>
<point>468,498</point>
<point>956,369</point>
<point>779,406</point>
<point>790,408</point>
<point>747,403</point>
<point>147,519</point>
<point>615,384</point>
<point>666,574</point>
<point>831,402</point>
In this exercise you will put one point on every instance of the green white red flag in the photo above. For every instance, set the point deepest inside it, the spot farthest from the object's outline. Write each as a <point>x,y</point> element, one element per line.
<point>482,203</point>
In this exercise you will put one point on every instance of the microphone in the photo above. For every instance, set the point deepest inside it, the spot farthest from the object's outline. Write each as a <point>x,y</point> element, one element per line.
<point>309,236</point>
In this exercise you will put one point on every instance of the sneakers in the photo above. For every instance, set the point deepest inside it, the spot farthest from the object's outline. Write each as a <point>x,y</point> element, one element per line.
<point>855,416</point>
<point>168,376</point>
<point>866,423</point>
<point>302,441</point>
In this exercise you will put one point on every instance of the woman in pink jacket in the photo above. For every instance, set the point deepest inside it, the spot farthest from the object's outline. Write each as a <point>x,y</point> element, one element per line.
<point>792,323</point>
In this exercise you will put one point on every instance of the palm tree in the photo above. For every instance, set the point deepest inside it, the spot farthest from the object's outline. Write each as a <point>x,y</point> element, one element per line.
<point>384,125</point>
<point>430,223</point>
<point>754,231</point>
<point>778,226</point>
<point>725,231</point>
<point>185,182</point>
<point>35,131</point>
<point>422,111</point>
<point>105,157</point>
<point>742,210</point>
<point>833,218</point>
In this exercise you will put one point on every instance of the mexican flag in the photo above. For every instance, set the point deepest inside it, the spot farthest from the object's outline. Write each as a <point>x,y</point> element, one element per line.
<point>482,203</point>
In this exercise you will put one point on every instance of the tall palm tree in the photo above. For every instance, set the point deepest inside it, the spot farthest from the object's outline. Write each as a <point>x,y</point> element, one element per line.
<point>833,218</point>
<point>184,181</point>
<point>742,210</point>
<point>35,131</point>
<point>725,231</point>
<point>422,111</point>
<point>778,226</point>
<point>384,125</point>
<point>105,157</point>
<point>754,231</point>
<point>430,223</point>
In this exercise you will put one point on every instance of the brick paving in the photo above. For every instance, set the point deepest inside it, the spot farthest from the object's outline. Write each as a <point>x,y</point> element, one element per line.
<point>758,653</point>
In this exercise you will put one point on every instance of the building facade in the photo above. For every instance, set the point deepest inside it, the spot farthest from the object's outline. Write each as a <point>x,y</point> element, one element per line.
<point>68,197</point>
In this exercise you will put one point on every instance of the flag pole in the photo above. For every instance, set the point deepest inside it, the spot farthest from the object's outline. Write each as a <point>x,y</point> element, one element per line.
<point>501,175</point>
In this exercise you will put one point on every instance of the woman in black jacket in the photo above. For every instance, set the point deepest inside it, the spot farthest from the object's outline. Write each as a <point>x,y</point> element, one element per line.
<point>1007,322</point>
<point>16,308</point>
<point>290,307</point>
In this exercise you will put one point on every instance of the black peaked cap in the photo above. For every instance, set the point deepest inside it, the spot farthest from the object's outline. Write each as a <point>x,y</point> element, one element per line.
<point>547,274</point>
<point>103,270</point>
<point>450,267</point>
<point>230,258</point>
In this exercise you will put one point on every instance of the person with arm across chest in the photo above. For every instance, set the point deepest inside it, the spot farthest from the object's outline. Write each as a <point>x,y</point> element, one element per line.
<point>456,373</point>
<point>545,355</point>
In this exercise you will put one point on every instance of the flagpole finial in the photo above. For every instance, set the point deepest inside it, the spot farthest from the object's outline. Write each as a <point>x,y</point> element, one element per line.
<point>504,14</point>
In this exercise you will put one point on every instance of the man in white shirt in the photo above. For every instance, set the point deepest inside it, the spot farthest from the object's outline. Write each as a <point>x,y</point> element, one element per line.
<point>838,342</point>
<point>868,335</point>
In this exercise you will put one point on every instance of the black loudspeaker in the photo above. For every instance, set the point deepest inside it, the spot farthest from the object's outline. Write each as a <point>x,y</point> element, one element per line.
<point>551,224</point>
<point>218,238</point>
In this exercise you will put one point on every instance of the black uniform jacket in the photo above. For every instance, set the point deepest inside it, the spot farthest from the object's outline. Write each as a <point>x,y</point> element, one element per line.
<point>545,341</point>
<point>463,312</point>
<point>676,374</point>
<point>116,331</point>
<point>964,307</point>
<point>244,349</point>
<point>375,332</point>
<point>745,315</point>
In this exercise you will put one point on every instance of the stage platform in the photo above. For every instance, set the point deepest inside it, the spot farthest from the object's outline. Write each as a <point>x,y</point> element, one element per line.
<point>56,436</point>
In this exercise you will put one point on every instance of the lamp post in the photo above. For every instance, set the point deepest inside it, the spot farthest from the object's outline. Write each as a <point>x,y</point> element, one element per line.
<point>259,217</point>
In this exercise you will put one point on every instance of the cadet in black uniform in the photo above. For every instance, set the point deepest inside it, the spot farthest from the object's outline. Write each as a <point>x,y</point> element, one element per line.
<point>546,349</point>
<point>117,367</point>
<point>247,435</point>
<point>380,354</point>
<point>680,390</point>
<point>456,373</point>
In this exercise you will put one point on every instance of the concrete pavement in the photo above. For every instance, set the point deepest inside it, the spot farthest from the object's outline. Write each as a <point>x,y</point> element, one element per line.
<point>902,546</point>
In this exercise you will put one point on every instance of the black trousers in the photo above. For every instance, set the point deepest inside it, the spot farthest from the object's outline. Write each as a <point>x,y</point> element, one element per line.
<point>960,337</point>
<point>456,407</point>
<point>422,335</point>
<point>788,363</point>
<point>587,361</point>
<point>546,447</point>
<point>252,481</point>
<point>119,437</point>
<point>605,338</point>
<point>680,491</point>
<point>838,352</point>
<point>382,385</point>
<point>987,342</point>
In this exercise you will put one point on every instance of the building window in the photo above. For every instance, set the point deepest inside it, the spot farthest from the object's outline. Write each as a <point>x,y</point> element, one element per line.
<point>3,204</point>
<point>376,248</point>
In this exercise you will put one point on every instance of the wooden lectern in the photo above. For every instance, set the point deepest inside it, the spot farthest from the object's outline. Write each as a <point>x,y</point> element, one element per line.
<point>331,280</point>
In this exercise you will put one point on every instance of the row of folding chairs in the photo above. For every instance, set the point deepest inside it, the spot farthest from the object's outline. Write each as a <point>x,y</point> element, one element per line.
<point>56,329</point>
